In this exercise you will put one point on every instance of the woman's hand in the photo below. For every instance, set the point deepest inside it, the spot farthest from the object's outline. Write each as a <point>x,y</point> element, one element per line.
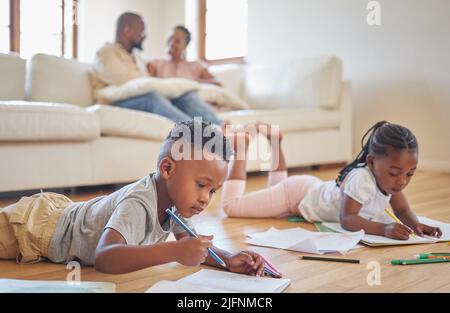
<point>151,70</point>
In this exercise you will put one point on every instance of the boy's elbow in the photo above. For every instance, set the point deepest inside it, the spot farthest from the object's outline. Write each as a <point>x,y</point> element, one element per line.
<point>100,265</point>
<point>106,262</point>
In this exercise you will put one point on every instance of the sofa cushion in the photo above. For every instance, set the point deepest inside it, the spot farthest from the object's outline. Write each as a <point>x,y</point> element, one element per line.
<point>120,122</point>
<point>33,121</point>
<point>58,80</point>
<point>221,97</point>
<point>231,76</point>
<point>306,82</point>
<point>12,77</point>
<point>289,120</point>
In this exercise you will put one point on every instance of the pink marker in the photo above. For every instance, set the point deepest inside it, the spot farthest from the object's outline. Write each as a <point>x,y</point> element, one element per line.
<point>270,265</point>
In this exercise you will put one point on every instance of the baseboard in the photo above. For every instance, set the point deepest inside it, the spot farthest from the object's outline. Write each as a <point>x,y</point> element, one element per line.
<point>435,165</point>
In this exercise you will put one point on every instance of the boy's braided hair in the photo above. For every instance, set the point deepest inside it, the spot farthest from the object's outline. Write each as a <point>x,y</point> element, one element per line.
<point>200,133</point>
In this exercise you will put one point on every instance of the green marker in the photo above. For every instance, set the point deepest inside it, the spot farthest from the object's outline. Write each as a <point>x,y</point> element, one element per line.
<point>296,220</point>
<point>323,229</point>
<point>433,255</point>
<point>418,261</point>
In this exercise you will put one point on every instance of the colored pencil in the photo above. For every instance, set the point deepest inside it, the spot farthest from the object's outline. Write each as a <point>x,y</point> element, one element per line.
<point>418,261</point>
<point>315,258</point>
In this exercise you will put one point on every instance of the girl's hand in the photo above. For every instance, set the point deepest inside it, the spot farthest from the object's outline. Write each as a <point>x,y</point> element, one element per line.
<point>246,262</point>
<point>397,231</point>
<point>422,229</point>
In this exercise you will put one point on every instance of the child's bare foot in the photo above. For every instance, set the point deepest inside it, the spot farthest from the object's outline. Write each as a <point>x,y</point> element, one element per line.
<point>271,132</point>
<point>224,127</point>
<point>239,138</point>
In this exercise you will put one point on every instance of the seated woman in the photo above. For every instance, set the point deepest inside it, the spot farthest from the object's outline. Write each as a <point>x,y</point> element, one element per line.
<point>176,65</point>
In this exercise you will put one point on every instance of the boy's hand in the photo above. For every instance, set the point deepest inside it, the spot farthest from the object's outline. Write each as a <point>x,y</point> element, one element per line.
<point>246,262</point>
<point>193,251</point>
<point>397,231</point>
<point>422,229</point>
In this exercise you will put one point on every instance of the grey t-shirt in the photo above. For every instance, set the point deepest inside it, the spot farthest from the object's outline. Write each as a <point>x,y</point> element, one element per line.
<point>132,211</point>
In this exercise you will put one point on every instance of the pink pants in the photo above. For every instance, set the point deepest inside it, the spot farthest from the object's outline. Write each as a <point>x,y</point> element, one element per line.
<point>280,198</point>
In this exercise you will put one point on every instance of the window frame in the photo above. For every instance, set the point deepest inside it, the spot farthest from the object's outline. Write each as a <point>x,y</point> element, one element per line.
<point>202,6</point>
<point>14,28</point>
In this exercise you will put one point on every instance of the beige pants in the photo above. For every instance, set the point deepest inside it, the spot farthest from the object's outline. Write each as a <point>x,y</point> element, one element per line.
<point>26,227</point>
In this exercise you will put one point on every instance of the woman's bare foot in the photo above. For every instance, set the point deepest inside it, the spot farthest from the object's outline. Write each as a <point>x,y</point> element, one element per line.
<point>271,132</point>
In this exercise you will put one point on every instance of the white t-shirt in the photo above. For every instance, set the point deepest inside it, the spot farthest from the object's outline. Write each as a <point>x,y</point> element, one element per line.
<point>322,202</point>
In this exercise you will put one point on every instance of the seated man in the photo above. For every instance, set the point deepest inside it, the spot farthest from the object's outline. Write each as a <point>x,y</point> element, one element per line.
<point>115,65</point>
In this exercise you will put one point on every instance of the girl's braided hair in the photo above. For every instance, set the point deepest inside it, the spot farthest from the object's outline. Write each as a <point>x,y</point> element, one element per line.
<point>381,136</point>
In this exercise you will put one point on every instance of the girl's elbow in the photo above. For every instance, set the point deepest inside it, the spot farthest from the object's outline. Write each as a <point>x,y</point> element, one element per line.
<point>346,223</point>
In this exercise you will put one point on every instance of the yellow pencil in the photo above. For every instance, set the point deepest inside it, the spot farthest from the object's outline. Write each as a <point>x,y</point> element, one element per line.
<point>395,218</point>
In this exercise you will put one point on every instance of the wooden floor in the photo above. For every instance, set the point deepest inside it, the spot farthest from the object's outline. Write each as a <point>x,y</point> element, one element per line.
<point>428,193</point>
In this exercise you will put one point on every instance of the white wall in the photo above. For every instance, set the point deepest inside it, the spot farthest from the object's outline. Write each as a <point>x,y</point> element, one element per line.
<point>173,13</point>
<point>400,70</point>
<point>98,19</point>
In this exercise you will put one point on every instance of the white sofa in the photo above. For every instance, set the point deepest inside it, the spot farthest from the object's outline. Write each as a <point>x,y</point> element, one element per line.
<point>53,136</point>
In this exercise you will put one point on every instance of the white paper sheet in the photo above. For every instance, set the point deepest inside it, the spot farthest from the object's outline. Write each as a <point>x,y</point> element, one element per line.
<point>220,281</point>
<point>381,240</point>
<point>167,286</point>
<point>43,286</point>
<point>298,239</point>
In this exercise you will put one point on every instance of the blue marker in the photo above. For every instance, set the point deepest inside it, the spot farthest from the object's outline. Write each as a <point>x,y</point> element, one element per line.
<point>190,232</point>
<point>271,273</point>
